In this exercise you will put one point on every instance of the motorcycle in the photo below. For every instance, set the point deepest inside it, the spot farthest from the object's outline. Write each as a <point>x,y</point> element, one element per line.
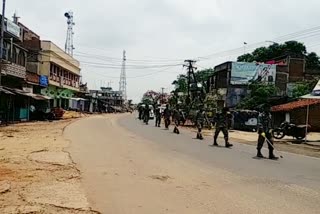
<point>289,129</point>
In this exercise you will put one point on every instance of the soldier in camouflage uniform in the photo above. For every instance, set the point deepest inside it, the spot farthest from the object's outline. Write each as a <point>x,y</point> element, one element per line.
<point>222,123</point>
<point>264,131</point>
<point>176,120</point>
<point>200,118</point>
<point>158,117</point>
<point>166,116</point>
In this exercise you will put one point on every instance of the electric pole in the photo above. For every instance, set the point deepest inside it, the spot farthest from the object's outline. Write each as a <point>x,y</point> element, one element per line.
<point>2,36</point>
<point>123,78</point>
<point>162,95</point>
<point>190,66</point>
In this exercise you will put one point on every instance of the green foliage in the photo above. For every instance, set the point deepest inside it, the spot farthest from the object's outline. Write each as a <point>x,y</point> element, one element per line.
<point>260,94</point>
<point>313,61</point>
<point>264,54</point>
<point>303,88</point>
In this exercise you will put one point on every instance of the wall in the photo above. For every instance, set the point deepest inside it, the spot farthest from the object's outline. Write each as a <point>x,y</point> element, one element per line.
<point>56,55</point>
<point>298,117</point>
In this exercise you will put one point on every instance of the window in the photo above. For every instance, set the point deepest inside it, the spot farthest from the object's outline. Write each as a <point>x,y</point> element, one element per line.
<point>14,55</point>
<point>21,58</point>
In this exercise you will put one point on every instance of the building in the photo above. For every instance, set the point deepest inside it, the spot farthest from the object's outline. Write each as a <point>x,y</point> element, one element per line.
<point>63,72</point>
<point>296,113</point>
<point>229,83</point>
<point>13,106</point>
<point>230,80</point>
<point>105,100</point>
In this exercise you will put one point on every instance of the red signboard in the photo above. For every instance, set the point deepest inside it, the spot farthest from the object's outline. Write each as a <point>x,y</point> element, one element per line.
<point>32,78</point>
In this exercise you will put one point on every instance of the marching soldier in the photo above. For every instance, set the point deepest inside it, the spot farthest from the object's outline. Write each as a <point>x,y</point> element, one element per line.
<point>201,116</point>
<point>176,120</point>
<point>158,116</point>
<point>264,131</point>
<point>146,114</point>
<point>222,122</point>
<point>140,110</point>
<point>167,115</point>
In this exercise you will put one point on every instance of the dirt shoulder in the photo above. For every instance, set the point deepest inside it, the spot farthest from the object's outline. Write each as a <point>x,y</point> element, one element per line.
<point>36,174</point>
<point>285,145</point>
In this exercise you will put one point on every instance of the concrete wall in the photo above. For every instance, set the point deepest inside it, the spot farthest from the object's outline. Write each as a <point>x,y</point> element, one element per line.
<point>52,53</point>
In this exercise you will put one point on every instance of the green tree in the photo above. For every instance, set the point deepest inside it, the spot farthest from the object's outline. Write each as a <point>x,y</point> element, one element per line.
<point>263,54</point>
<point>303,88</point>
<point>313,61</point>
<point>260,94</point>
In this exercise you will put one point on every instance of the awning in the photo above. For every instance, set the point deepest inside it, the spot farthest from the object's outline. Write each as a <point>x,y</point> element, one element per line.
<point>5,91</point>
<point>28,94</point>
<point>77,99</point>
<point>295,105</point>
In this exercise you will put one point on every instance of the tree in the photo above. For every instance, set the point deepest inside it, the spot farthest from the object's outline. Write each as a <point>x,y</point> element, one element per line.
<point>263,54</point>
<point>152,97</point>
<point>260,94</point>
<point>303,88</point>
<point>246,58</point>
<point>313,61</point>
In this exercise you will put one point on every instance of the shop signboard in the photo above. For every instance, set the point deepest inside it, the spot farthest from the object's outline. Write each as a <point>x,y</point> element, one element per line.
<point>13,28</point>
<point>243,73</point>
<point>32,78</point>
<point>43,81</point>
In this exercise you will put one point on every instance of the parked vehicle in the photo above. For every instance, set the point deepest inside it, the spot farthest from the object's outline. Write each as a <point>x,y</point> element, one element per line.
<point>289,129</point>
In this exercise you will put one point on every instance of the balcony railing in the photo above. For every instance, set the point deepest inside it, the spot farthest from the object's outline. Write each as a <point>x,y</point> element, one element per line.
<point>65,81</point>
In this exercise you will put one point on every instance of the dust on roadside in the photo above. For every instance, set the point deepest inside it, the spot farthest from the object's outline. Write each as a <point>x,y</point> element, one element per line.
<point>36,174</point>
<point>281,145</point>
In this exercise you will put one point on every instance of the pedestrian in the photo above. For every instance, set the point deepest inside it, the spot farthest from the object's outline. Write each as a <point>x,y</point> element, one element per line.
<point>140,110</point>
<point>166,116</point>
<point>176,120</point>
<point>264,131</point>
<point>158,116</point>
<point>222,124</point>
<point>146,114</point>
<point>200,118</point>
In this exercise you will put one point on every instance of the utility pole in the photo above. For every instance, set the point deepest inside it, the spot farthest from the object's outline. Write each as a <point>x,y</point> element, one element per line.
<point>162,94</point>
<point>123,78</point>
<point>2,36</point>
<point>190,66</point>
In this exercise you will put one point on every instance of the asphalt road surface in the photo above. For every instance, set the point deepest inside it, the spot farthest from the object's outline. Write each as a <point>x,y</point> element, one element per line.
<point>129,167</point>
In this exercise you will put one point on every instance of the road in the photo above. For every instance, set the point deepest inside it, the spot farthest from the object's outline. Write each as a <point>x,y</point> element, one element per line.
<point>128,167</point>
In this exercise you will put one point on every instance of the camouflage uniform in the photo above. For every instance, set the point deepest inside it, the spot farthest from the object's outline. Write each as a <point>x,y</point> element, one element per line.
<point>167,115</point>
<point>176,120</point>
<point>222,123</point>
<point>200,118</point>
<point>264,131</point>
<point>158,117</point>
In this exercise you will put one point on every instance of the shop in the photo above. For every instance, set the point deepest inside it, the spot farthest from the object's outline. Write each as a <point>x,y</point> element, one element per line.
<point>60,96</point>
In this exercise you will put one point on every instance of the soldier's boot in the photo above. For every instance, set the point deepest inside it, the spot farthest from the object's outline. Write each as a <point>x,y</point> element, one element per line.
<point>272,156</point>
<point>259,154</point>
<point>177,131</point>
<point>228,145</point>
<point>215,142</point>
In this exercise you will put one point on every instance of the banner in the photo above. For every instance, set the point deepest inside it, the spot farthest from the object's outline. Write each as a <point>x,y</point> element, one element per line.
<point>243,72</point>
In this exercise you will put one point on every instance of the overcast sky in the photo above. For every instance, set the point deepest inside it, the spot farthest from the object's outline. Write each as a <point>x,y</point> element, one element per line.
<point>164,32</point>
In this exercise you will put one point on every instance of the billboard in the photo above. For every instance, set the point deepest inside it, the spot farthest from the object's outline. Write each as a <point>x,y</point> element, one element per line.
<point>13,28</point>
<point>243,72</point>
